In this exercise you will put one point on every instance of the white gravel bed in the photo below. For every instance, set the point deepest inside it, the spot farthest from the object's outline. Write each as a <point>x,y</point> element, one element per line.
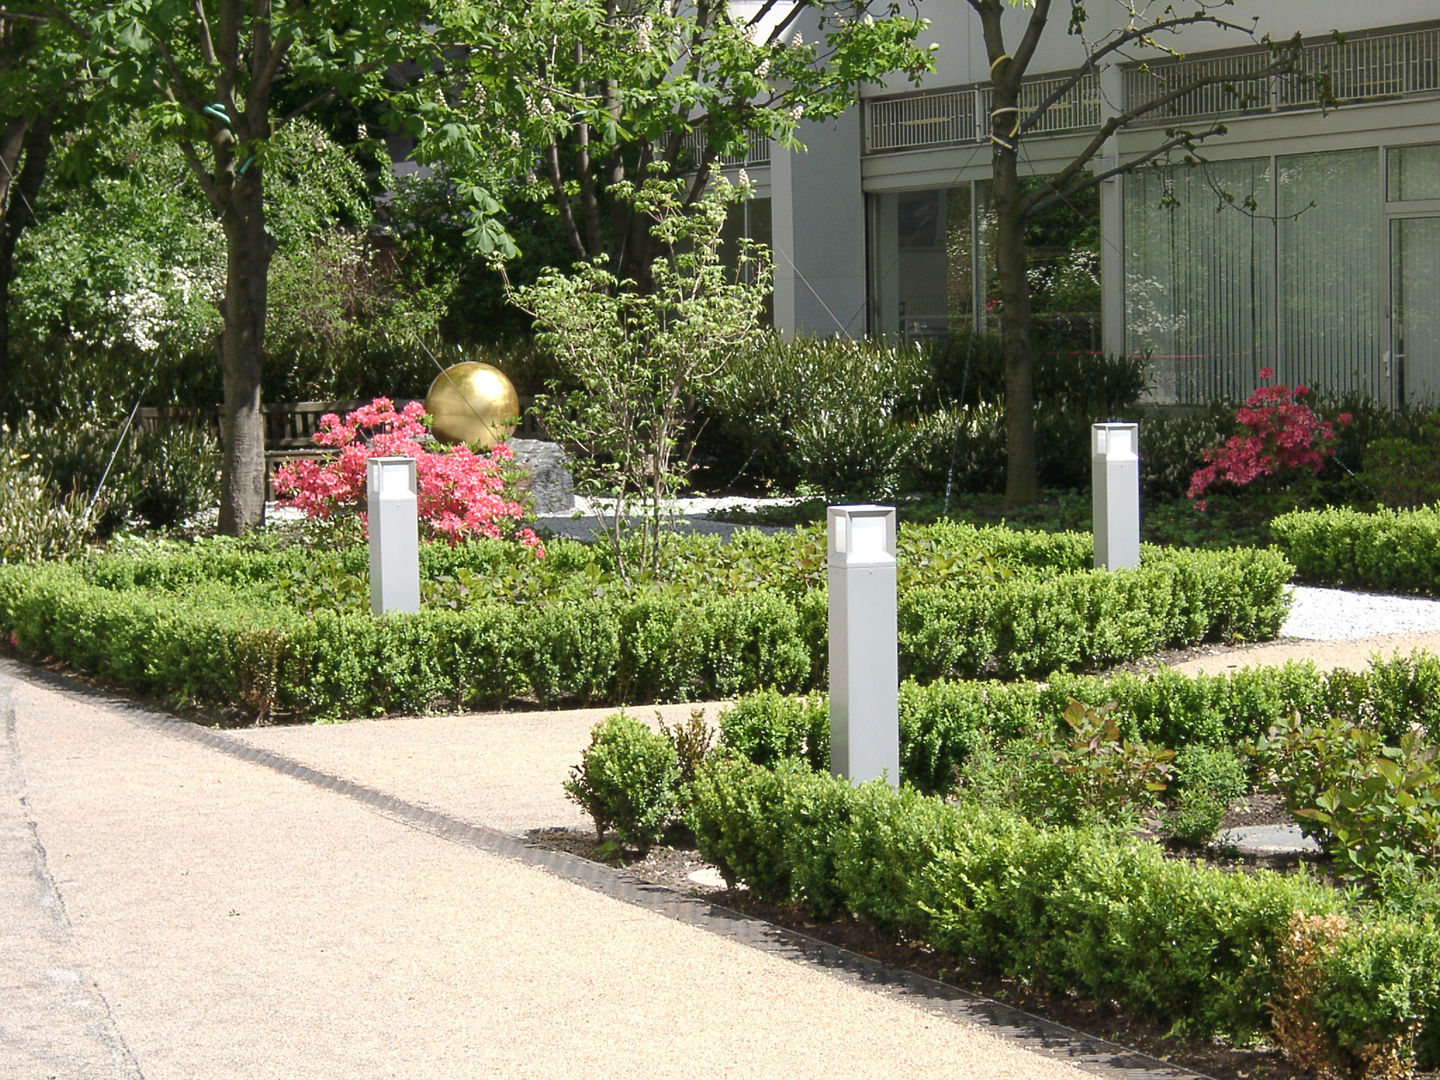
<point>1337,615</point>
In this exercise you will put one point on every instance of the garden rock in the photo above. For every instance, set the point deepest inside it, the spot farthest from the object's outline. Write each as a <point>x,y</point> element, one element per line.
<point>548,480</point>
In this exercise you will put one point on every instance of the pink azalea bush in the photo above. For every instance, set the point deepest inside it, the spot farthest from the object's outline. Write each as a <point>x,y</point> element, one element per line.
<point>462,494</point>
<point>1284,434</point>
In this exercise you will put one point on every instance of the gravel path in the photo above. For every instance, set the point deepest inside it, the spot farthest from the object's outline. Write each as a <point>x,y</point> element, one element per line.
<point>1337,615</point>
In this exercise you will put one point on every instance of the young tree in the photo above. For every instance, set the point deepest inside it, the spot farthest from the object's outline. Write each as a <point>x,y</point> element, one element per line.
<point>639,355</point>
<point>1138,30</point>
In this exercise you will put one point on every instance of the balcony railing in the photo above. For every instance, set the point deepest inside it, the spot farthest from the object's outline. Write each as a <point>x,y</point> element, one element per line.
<point>1372,67</point>
<point>757,151</point>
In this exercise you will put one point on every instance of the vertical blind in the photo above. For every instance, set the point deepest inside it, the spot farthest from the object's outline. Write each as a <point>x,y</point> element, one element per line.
<point>1199,276</point>
<point>1328,240</point>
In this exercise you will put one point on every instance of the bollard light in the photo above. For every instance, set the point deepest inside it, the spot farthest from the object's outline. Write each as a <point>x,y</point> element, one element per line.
<point>391,490</point>
<point>1115,501</point>
<point>864,662</point>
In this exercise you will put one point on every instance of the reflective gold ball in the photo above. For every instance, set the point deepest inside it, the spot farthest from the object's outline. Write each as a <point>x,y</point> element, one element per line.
<point>473,403</point>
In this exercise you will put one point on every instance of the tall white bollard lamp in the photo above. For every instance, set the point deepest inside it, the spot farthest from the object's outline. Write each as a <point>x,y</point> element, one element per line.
<point>391,489</point>
<point>1115,464</point>
<point>864,663</point>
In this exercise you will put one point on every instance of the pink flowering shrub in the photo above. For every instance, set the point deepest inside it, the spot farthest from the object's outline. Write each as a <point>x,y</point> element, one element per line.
<point>462,493</point>
<point>1284,435</point>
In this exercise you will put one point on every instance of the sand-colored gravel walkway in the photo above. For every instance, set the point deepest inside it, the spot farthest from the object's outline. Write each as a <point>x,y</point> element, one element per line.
<point>1353,654</point>
<point>173,913</point>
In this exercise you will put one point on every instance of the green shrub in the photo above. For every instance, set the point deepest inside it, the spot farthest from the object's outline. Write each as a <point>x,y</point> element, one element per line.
<point>160,476</point>
<point>826,412</point>
<point>36,523</point>
<point>1375,808</point>
<point>1208,779</point>
<point>1086,773</point>
<point>767,727</point>
<point>627,780</point>
<point>735,619</point>
<point>1389,550</point>
<point>1089,911</point>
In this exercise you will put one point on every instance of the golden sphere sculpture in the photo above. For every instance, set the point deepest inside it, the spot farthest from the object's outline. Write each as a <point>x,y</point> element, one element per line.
<point>473,403</point>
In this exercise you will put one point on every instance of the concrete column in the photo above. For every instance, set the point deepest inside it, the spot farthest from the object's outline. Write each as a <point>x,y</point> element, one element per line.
<point>1115,465</point>
<point>864,651</point>
<point>391,501</point>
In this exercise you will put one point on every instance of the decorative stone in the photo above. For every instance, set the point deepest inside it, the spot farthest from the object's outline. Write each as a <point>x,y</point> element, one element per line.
<point>547,479</point>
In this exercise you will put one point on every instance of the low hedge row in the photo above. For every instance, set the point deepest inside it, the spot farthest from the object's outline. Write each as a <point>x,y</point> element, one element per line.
<point>205,647</point>
<point>1086,910</point>
<point>176,632</point>
<point>1389,551</point>
<point>943,723</point>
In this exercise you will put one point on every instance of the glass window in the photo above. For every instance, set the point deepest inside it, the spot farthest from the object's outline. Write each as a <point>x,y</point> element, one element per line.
<point>1328,248</point>
<point>1199,274</point>
<point>1414,173</point>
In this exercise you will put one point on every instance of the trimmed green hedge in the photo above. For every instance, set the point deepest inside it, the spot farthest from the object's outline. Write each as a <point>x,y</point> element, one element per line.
<point>1390,550</point>
<point>213,624</point>
<point>943,723</point>
<point>1074,909</point>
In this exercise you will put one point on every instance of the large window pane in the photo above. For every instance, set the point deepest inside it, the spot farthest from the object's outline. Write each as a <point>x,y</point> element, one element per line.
<point>1414,173</point>
<point>1199,273</point>
<point>1328,244</point>
<point>921,263</point>
<point>1415,266</point>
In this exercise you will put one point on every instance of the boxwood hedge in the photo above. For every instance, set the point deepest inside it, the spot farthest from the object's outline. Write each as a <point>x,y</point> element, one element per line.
<point>288,632</point>
<point>1088,910</point>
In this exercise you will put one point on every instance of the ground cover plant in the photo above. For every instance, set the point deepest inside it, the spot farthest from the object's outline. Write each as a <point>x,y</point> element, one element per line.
<point>191,622</point>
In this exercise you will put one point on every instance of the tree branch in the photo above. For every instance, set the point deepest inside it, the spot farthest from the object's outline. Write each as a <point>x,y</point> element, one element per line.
<point>1059,181</point>
<point>1034,28</point>
<point>1180,139</point>
<point>207,43</point>
<point>1125,37</point>
<point>562,200</point>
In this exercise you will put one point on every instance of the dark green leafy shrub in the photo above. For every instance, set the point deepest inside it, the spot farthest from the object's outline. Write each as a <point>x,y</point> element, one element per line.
<point>692,739</point>
<point>827,412</point>
<point>1207,780</point>
<point>1087,773</point>
<point>1402,469</point>
<point>1375,808</point>
<point>627,780</point>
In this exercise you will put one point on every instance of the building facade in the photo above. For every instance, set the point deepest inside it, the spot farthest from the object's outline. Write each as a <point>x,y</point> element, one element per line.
<point>1307,240</point>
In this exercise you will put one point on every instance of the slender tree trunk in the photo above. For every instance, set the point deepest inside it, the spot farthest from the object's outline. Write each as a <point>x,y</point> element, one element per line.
<point>18,200</point>
<point>1021,479</point>
<point>247,258</point>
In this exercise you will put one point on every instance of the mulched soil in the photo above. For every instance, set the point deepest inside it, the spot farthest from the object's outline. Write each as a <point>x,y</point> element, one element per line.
<point>671,864</point>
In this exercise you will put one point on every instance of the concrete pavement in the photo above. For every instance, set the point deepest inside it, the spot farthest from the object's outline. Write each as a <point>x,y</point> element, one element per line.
<point>174,908</point>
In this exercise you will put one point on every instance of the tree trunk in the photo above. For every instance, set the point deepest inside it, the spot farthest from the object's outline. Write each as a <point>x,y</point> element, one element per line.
<point>247,265</point>
<point>19,200</point>
<point>1021,479</point>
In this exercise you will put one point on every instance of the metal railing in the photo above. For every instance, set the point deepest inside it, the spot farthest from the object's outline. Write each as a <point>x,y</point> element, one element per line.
<point>941,118</point>
<point>757,151</point>
<point>1371,67</point>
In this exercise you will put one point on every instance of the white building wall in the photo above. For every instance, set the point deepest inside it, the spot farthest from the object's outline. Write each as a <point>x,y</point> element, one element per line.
<point>819,231</point>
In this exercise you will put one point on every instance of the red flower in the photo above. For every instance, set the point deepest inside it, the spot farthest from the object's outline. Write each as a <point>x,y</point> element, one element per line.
<point>462,494</point>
